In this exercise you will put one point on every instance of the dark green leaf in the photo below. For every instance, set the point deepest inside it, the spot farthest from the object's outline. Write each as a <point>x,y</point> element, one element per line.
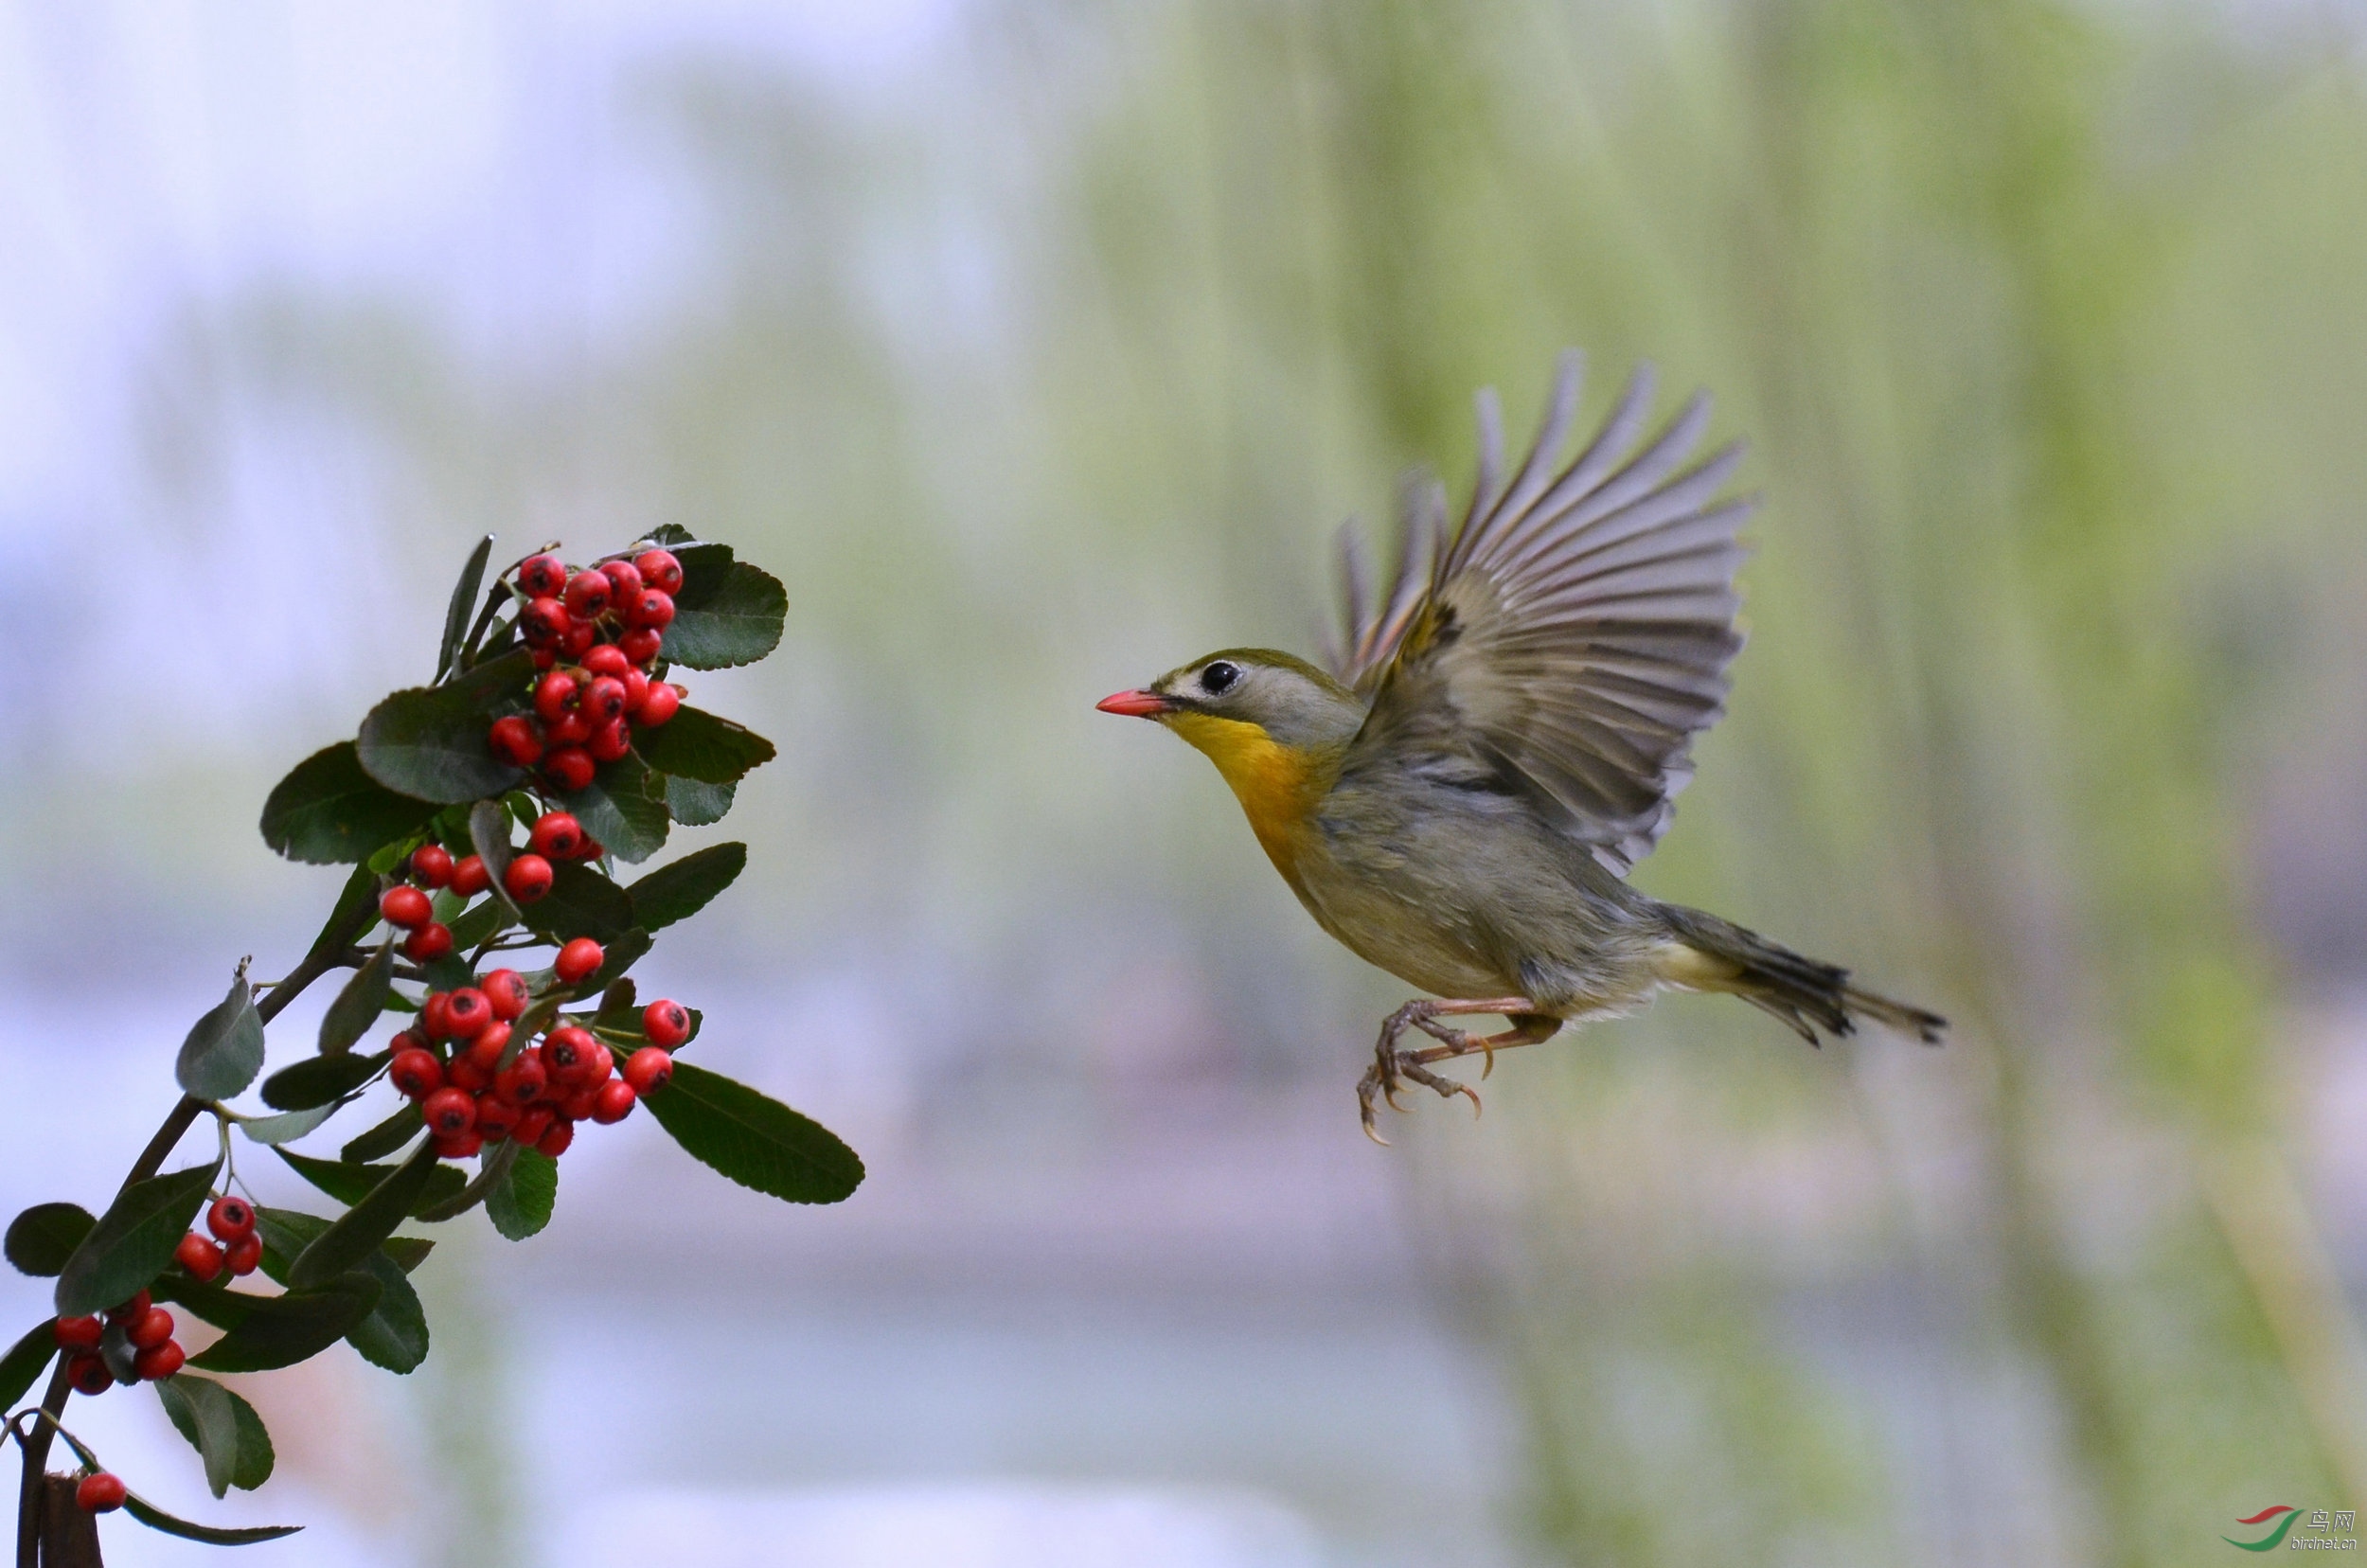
<point>394,1335</point>
<point>296,1327</point>
<point>485,920</point>
<point>157,1518</point>
<point>757,1142</point>
<point>618,1009</point>
<point>680,889</point>
<point>430,741</point>
<point>358,1005</point>
<point>132,1240</point>
<point>667,535</point>
<point>361,890</point>
<point>581,902</point>
<point>695,805</point>
<point>44,1236</point>
<point>698,744</point>
<point>225,1049</point>
<point>327,812</point>
<point>450,973</point>
<point>114,1348</point>
<point>24,1360</point>
<point>317,1080</point>
<point>351,1183</point>
<point>356,1233</point>
<point>520,1204</point>
<point>385,1137</point>
<point>734,617</point>
<point>289,1126</point>
<point>463,599</point>
<point>222,1428</point>
<point>617,809</point>
<point>615,959</point>
<point>489,835</point>
<point>703,569</point>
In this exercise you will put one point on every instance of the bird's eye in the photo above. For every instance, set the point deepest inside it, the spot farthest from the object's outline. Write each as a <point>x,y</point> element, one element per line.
<point>1220,678</point>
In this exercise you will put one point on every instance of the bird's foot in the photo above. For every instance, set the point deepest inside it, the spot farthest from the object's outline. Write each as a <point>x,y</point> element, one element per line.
<point>1393,1066</point>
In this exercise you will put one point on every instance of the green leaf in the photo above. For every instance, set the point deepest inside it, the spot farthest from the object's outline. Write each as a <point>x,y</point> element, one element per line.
<point>697,805</point>
<point>726,618</point>
<point>757,1142</point>
<point>520,1204</point>
<point>615,959</point>
<point>294,1328</point>
<point>319,1080</point>
<point>157,1518</point>
<point>358,1005</point>
<point>385,1137</point>
<point>24,1360</point>
<point>225,1049</point>
<point>356,1233</point>
<point>430,741</point>
<point>581,902</point>
<point>44,1236</point>
<point>132,1240</point>
<point>616,1008</point>
<point>617,809</point>
<point>361,889</point>
<point>463,599</point>
<point>489,835</point>
<point>680,889</point>
<point>222,1428</point>
<point>667,535</point>
<point>698,744</point>
<point>351,1183</point>
<point>485,920</point>
<point>287,1127</point>
<point>327,812</point>
<point>394,1335</point>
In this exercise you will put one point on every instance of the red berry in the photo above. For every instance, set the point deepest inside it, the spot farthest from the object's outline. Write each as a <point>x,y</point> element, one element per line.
<point>543,623</point>
<point>667,1023</point>
<point>569,769</point>
<point>160,1362</point>
<point>450,1111</point>
<point>515,741</point>
<point>624,581</point>
<point>244,1254</point>
<point>579,640</point>
<point>406,906</point>
<point>587,595</point>
<point>433,1017</point>
<point>131,1311</point>
<point>466,1012</point>
<point>615,1102</point>
<point>592,850</point>
<point>607,659</point>
<point>610,741</point>
<point>430,942</point>
<point>603,700</point>
<point>522,1081</point>
<point>496,1117</point>
<point>572,728</point>
<point>506,989</point>
<point>567,1057</point>
<point>533,1121</point>
<point>663,701</point>
<point>470,877</point>
<point>555,696</point>
<point>545,657</point>
<point>485,1051</point>
<point>77,1333</point>
<point>463,1073</point>
<point>528,878</point>
<point>459,1145</point>
<point>542,575</point>
<point>641,644</point>
<point>100,1493</point>
<point>202,1258</point>
<point>649,1068</point>
<point>576,1104</point>
<point>637,687</point>
<point>660,570</point>
<point>555,1138</point>
<point>556,834</point>
<point>230,1217</point>
<point>417,1074</point>
<point>603,1065</point>
<point>152,1331</point>
<point>578,959</point>
<point>653,610</point>
<point>89,1375</point>
<point>432,864</point>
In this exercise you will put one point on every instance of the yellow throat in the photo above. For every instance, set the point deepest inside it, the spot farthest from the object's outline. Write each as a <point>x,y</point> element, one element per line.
<point>1276,785</point>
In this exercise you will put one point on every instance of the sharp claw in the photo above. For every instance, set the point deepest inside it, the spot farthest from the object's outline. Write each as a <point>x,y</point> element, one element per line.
<point>1373,1133</point>
<point>1487,1049</point>
<point>1472,1095</point>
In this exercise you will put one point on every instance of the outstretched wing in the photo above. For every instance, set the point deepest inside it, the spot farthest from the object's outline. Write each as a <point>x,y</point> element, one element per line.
<point>1571,635</point>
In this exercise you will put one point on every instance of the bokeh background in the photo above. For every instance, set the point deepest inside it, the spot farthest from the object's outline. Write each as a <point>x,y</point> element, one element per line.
<point>1039,348</point>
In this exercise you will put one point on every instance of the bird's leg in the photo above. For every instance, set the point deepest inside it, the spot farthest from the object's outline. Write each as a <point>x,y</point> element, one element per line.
<point>1390,1064</point>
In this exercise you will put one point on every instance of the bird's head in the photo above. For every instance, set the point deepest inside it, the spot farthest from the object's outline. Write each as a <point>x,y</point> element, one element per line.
<point>1274,725</point>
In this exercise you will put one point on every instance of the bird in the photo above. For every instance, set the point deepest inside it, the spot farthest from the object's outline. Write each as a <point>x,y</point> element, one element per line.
<point>1499,736</point>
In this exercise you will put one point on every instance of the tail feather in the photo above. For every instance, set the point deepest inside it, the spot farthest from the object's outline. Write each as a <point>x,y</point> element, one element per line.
<point>1802,992</point>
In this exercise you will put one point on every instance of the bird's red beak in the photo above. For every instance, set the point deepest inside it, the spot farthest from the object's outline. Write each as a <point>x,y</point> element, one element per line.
<point>1134,705</point>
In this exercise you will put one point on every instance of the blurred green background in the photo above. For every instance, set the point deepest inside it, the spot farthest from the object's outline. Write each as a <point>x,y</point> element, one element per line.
<point>1039,348</point>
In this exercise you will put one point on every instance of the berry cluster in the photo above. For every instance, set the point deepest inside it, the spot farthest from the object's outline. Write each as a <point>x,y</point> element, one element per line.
<point>556,836</point>
<point>233,1244</point>
<point>479,1078</point>
<point>134,1342</point>
<point>596,633</point>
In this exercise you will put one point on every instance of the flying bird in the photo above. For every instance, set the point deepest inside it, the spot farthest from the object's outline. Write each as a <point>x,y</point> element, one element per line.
<point>1501,735</point>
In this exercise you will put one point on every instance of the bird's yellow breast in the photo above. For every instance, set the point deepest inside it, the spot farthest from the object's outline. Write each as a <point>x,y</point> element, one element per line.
<point>1278,786</point>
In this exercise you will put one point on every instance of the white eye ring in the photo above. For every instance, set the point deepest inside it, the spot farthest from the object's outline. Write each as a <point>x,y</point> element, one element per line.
<point>1220,678</point>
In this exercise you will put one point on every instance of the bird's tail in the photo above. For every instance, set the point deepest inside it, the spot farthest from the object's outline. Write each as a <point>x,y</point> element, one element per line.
<point>1716,954</point>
